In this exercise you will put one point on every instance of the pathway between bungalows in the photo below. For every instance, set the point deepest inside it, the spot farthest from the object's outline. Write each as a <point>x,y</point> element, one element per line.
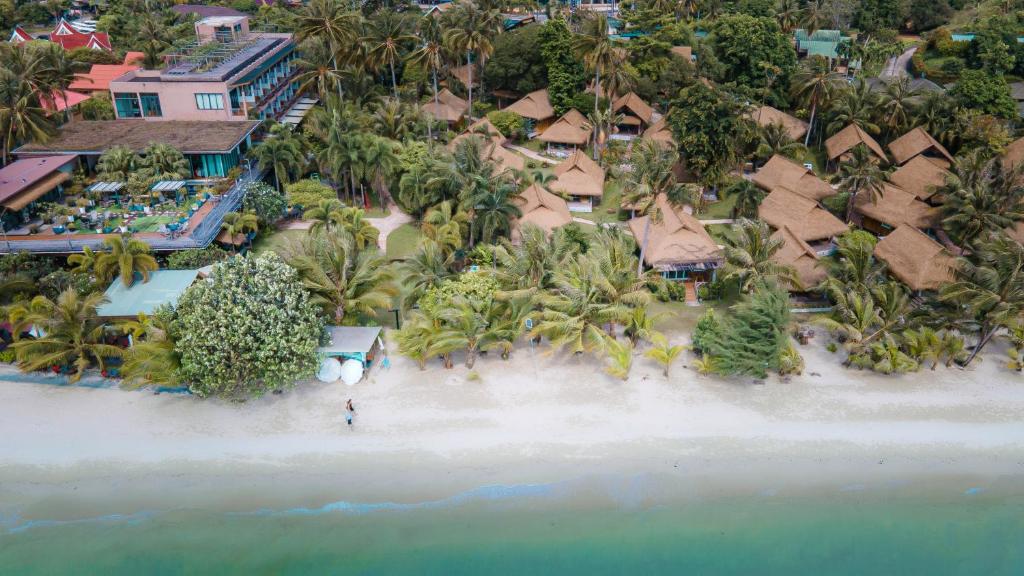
<point>897,66</point>
<point>386,225</point>
<point>531,154</point>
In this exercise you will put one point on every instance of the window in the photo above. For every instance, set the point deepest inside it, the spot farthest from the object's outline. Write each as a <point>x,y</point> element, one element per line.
<point>210,101</point>
<point>150,105</point>
<point>127,105</point>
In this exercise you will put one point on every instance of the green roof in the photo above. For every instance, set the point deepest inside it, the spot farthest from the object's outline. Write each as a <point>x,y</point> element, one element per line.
<point>819,48</point>
<point>818,36</point>
<point>164,287</point>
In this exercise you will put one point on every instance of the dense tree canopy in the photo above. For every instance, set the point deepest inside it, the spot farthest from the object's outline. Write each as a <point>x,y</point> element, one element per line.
<point>757,58</point>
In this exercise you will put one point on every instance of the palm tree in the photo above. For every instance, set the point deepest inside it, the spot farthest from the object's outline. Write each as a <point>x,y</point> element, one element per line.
<point>446,226</point>
<point>749,253</point>
<point>353,221</point>
<point>858,175</point>
<point>326,215</point>
<point>663,352</point>
<point>620,358</point>
<point>495,209</point>
<point>430,56</point>
<point>651,177</point>
<point>236,223</point>
<point>381,164</point>
<point>317,62</point>
<point>328,19</point>
<point>388,34</point>
<point>813,86</point>
<point>282,153</point>
<point>117,164</point>
<point>855,105</point>
<point>604,123</point>
<point>152,359</point>
<point>72,333</point>
<point>84,263</point>
<point>989,288</point>
<point>774,139</point>
<point>348,284</point>
<point>748,198</point>
<point>854,267</point>
<point>22,117</point>
<point>126,257</point>
<point>163,162</point>
<point>464,327</point>
<point>470,32</point>
<point>425,269</point>
<point>594,46</point>
<point>897,105</point>
<point>788,15</point>
<point>813,17</point>
<point>530,265</point>
<point>981,196</point>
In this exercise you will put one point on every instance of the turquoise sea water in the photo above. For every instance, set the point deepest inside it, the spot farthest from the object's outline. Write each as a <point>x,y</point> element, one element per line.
<point>531,530</point>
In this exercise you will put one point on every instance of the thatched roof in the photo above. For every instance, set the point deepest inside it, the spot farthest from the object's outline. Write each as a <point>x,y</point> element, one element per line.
<point>1016,232</point>
<point>535,105</point>
<point>660,132</point>
<point>633,105</point>
<point>542,209</point>
<point>781,172</point>
<point>804,217</point>
<point>571,128</point>
<point>896,206</point>
<point>480,128</point>
<point>188,136</point>
<point>915,259</point>
<point>676,240</point>
<point>1014,154</point>
<point>766,116</point>
<point>798,254</point>
<point>920,176</point>
<point>684,52</point>
<point>914,143</point>
<point>503,157</point>
<point>462,74</point>
<point>449,107</point>
<point>848,138</point>
<point>578,175</point>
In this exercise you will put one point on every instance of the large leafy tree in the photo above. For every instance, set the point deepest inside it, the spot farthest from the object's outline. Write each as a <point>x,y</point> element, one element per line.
<point>71,334</point>
<point>707,125</point>
<point>755,55</point>
<point>264,201</point>
<point>566,76</point>
<point>250,328</point>
<point>985,92</point>
<point>517,63</point>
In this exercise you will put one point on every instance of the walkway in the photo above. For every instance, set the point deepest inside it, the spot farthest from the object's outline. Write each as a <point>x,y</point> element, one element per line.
<point>389,224</point>
<point>531,154</point>
<point>719,221</point>
<point>897,66</point>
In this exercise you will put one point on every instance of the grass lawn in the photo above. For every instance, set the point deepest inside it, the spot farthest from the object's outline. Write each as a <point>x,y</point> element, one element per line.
<point>403,241</point>
<point>719,210</point>
<point>611,200</point>
<point>718,231</point>
<point>268,242</point>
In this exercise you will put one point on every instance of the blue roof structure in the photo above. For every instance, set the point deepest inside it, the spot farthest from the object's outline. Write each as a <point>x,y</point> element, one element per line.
<point>164,287</point>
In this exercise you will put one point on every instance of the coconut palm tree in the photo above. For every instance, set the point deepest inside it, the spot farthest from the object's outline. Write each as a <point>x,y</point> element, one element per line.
<point>465,327</point>
<point>22,117</point>
<point>72,333</point>
<point>981,196</point>
<point>280,152</point>
<point>813,86</point>
<point>84,263</point>
<point>494,210</point>
<point>470,31</point>
<point>651,177</point>
<point>318,66</point>
<point>530,265</point>
<point>328,19</point>
<point>854,266</point>
<point>858,175</point>
<point>387,36</point>
<point>788,15</point>
<point>348,284</point>
<point>813,17</point>
<point>989,288</point>
<point>430,56</point>
<point>663,352</point>
<point>163,162</point>
<point>117,164</point>
<point>363,234</point>
<point>897,105</point>
<point>380,157</point>
<point>856,104</point>
<point>425,269</point>
<point>594,47</point>
<point>620,358</point>
<point>446,226</point>
<point>236,223</point>
<point>748,197</point>
<point>749,253</point>
<point>126,257</point>
<point>774,139</point>
<point>152,359</point>
<point>326,215</point>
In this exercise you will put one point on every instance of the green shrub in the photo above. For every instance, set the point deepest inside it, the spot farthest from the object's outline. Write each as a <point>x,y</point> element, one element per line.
<point>308,193</point>
<point>508,123</point>
<point>194,258</point>
<point>832,347</point>
<point>7,356</point>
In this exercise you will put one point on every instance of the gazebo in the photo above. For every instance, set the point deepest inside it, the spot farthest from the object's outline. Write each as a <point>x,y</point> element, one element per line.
<point>356,342</point>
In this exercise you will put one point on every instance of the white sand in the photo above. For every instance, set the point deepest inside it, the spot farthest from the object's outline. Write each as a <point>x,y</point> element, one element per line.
<point>538,417</point>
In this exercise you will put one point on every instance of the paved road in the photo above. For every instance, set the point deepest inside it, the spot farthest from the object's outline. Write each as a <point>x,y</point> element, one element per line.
<point>897,65</point>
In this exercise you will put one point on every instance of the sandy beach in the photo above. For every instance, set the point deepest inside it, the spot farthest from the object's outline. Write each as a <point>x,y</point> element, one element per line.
<point>539,417</point>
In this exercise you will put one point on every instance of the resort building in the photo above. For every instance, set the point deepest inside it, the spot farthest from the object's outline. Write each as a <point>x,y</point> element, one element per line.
<point>540,208</point>
<point>660,132</point>
<point>212,148</point>
<point>893,208</point>
<point>781,172</point>
<point>205,11</point>
<point>569,133</point>
<point>824,43</point>
<point>163,288</point>
<point>678,246</point>
<point>448,108</point>
<point>684,52</point>
<point>69,37</point>
<point>229,74</point>
<point>918,143</point>
<point>849,138</point>
<point>765,116</point>
<point>804,217</point>
<point>24,184</point>
<point>581,179</point>
<point>97,79</point>
<point>536,108</point>
<point>637,115</point>
<point>802,257</point>
<point>492,145</point>
<point>915,259</point>
<point>921,176</point>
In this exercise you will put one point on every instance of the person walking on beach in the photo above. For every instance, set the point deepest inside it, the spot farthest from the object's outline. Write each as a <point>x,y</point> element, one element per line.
<point>348,417</point>
<point>350,406</point>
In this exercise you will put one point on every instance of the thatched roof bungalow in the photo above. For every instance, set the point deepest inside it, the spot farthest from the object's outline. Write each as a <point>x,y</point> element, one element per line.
<point>893,208</point>
<point>921,176</point>
<point>581,179</point>
<point>636,114</point>
<point>781,172</point>
<point>918,142</point>
<point>540,208</point>
<point>766,116</point>
<point>847,139</point>
<point>448,108</point>
<point>536,107</point>
<point>572,130</point>
<point>797,253</point>
<point>678,246</point>
<point>804,217</point>
<point>915,259</point>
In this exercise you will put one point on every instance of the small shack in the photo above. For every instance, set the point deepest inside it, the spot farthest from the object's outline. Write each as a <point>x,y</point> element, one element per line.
<point>163,287</point>
<point>360,343</point>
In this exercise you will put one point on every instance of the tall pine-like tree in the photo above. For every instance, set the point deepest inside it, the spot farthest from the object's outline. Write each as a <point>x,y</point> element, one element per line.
<point>753,337</point>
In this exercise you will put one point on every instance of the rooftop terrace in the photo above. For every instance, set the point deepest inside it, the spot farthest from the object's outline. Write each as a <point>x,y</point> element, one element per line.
<point>219,62</point>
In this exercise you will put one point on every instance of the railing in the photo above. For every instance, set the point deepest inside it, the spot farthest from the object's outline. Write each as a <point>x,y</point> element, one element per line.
<point>200,237</point>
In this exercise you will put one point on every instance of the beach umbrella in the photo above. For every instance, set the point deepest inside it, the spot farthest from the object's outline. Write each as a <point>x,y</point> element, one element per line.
<point>351,372</point>
<point>330,370</point>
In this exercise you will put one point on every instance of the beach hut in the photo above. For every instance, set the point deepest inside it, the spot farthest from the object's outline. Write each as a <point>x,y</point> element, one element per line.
<point>678,246</point>
<point>536,108</point>
<point>766,116</point>
<point>781,172</point>
<point>540,208</point>
<point>915,259</point>
<point>847,139</point>
<point>921,176</point>
<point>581,179</point>
<point>636,114</point>
<point>916,143</point>
<point>360,343</point>
<point>893,208</point>
<point>569,133</point>
<point>660,132</point>
<point>449,108</point>
<point>163,288</point>
<point>802,257</point>
<point>804,217</point>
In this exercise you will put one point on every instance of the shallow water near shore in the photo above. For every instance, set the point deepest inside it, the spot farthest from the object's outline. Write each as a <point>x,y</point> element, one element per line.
<point>565,528</point>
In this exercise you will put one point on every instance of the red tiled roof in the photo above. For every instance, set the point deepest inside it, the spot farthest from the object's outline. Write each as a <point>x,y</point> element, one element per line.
<point>73,99</point>
<point>133,58</point>
<point>100,75</point>
<point>19,35</point>
<point>69,38</point>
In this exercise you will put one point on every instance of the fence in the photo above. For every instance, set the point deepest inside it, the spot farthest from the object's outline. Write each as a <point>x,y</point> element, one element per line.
<point>200,237</point>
